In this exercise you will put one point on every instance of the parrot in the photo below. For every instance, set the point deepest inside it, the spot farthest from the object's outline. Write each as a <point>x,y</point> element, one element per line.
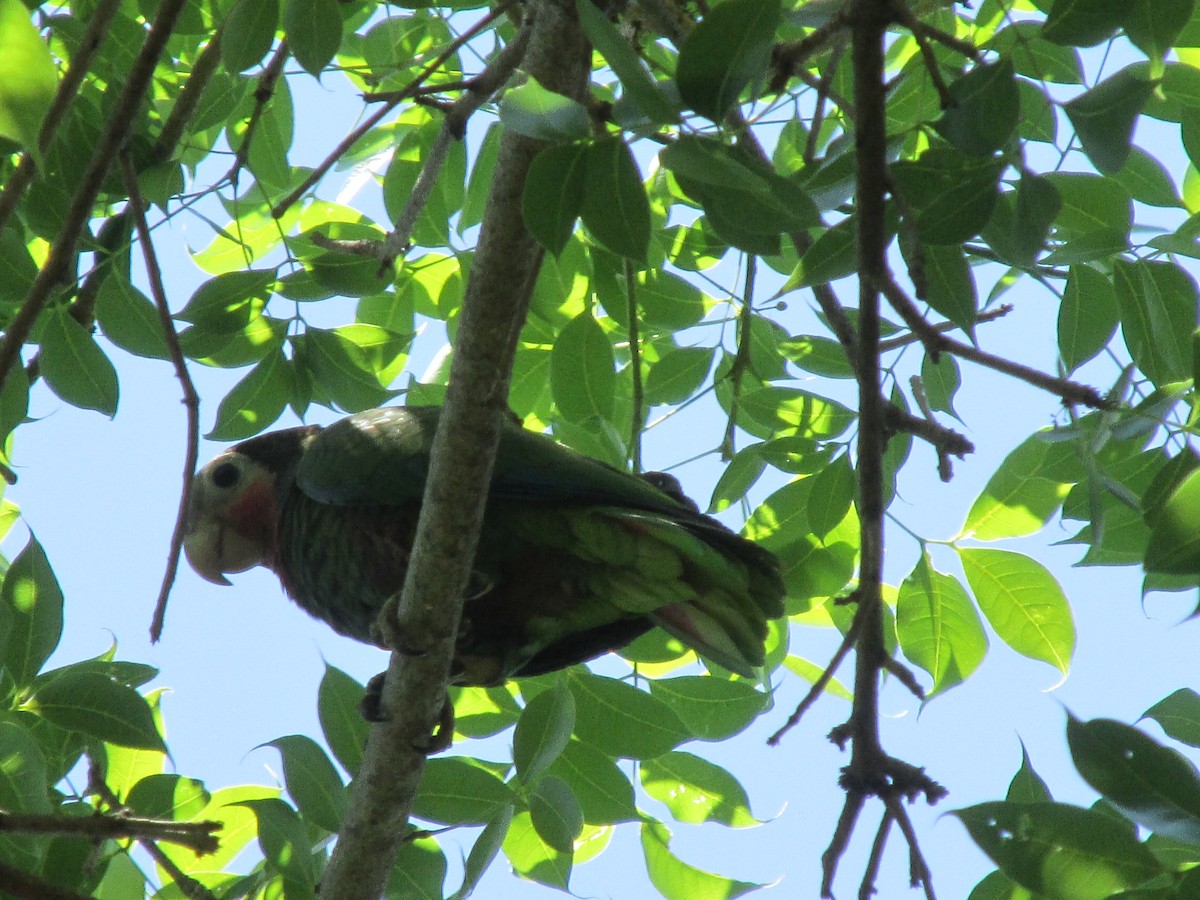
<point>576,558</point>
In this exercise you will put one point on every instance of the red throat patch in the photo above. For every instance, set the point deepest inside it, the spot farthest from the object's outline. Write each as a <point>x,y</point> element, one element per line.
<point>254,513</point>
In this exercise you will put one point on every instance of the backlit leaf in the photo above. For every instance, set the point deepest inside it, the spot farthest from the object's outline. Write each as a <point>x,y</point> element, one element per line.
<point>938,626</point>
<point>1023,602</point>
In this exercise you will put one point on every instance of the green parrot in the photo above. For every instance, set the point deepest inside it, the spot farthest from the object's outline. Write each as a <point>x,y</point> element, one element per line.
<point>575,558</point>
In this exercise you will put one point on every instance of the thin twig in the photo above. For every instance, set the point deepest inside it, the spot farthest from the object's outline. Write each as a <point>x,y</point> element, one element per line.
<point>918,868</point>
<point>945,467</point>
<point>196,836</point>
<point>191,400</point>
<point>190,887</point>
<point>637,415</point>
<point>741,359</point>
<point>262,96</point>
<point>117,128</point>
<point>189,98</point>
<point>787,57</point>
<point>903,340</point>
<point>866,888</point>
<point>935,341</point>
<point>375,118</point>
<point>840,840</point>
<point>818,686</point>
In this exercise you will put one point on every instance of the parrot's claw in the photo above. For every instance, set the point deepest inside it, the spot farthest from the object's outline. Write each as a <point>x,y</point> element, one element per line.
<point>442,736</point>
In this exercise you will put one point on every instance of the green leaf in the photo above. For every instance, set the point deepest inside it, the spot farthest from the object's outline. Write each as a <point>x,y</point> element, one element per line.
<point>583,376</point>
<point>677,375</point>
<point>818,355</point>
<point>482,712</point>
<point>535,112</point>
<point>1152,785</point>
<point>456,792</point>
<point>1060,851</point>
<point>1179,716</point>
<point>285,845</point>
<point>1083,23</point>
<point>532,857</point>
<point>342,724</point>
<point>1035,57</point>
<point>254,402</point>
<point>615,208</point>
<point>343,370</point>
<point>24,787</point>
<point>1105,115</point>
<point>1023,602</point>
<point>555,814</point>
<point>314,32</point>
<point>1027,489</point>
<point>950,285</point>
<point>1027,786</point>
<point>229,302</point>
<point>553,194</point>
<point>712,709</point>
<point>129,319</point>
<point>771,411</point>
<point>984,109</point>
<point>92,703</point>
<point>1174,547</point>
<point>833,255</point>
<point>696,790</point>
<point>725,53</point>
<point>419,872</point>
<point>1087,317</point>
<point>168,796</point>
<point>1153,25</point>
<point>618,719</point>
<point>598,783</point>
<point>312,781</point>
<point>34,622</point>
<point>248,34</point>
<point>74,367</point>
<point>639,85</point>
<point>1148,180</point>
<point>675,879</point>
<point>483,852</point>
<point>950,194</point>
<point>832,491</point>
<point>28,79</point>
<point>941,380</point>
<point>1037,206</point>
<point>667,301</point>
<point>938,627</point>
<point>1158,303</point>
<point>1091,204</point>
<point>543,731</point>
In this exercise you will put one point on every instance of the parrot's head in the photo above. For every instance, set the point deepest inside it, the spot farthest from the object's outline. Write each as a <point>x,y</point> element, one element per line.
<point>232,517</point>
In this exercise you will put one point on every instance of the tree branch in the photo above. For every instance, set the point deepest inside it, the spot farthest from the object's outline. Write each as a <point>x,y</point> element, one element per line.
<point>430,605</point>
<point>191,400</point>
<point>196,836</point>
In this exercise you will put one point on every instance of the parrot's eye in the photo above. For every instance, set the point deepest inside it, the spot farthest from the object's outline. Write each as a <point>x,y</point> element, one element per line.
<point>225,475</point>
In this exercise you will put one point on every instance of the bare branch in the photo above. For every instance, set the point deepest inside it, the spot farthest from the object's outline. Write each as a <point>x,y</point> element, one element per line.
<point>196,836</point>
<point>818,686</point>
<point>191,400</point>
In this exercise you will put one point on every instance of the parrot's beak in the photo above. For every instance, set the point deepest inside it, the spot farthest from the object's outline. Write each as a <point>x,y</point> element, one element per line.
<point>203,548</point>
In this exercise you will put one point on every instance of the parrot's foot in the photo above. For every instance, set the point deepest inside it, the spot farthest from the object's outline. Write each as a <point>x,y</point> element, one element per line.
<point>370,707</point>
<point>442,736</point>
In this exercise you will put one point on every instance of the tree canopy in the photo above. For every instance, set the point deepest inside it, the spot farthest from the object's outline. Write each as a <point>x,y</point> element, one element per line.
<point>793,227</point>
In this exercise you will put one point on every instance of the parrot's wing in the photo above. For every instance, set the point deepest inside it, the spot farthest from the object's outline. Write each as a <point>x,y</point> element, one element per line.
<point>381,456</point>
